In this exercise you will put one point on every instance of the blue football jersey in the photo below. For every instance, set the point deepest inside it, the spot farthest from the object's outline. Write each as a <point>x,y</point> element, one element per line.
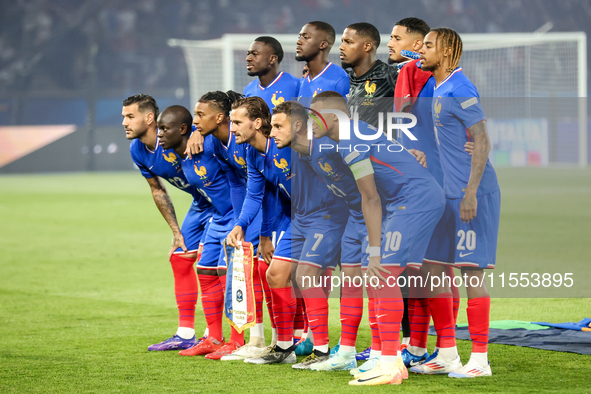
<point>456,108</point>
<point>328,164</point>
<point>424,132</point>
<point>164,164</point>
<point>205,173</point>
<point>269,176</point>
<point>284,87</point>
<point>333,78</point>
<point>404,185</point>
<point>310,194</point>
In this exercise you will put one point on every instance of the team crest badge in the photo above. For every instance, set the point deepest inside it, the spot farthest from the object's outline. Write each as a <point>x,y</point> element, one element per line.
<point>370,89</point>
<point>282,164</point>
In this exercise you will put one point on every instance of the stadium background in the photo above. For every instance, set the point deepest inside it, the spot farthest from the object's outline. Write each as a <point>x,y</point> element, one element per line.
<point>84,282</point>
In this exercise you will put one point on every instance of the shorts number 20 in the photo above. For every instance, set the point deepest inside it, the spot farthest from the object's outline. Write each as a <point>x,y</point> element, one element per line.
<point>469,238</point>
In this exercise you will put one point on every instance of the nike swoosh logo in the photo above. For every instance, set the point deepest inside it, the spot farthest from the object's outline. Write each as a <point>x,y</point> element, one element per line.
<point>150,168</point>
<point>464,255</point>
<point>311,255</point>
<point>388,255</point>
<point>368,379</point>
<point>344,319</point>
<point>312,321</point>
<point>377,317</point>
<point>415,363</point>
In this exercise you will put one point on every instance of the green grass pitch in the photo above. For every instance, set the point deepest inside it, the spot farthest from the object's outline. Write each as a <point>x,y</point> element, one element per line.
<point>85,287</point>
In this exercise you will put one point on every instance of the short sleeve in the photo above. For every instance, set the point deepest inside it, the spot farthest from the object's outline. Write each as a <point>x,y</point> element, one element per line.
<point>342,86</point>
<point>466,105</point>
<point>135,157</point>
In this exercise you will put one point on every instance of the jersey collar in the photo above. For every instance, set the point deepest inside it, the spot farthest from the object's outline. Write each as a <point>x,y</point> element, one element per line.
<point>321,72</point>
<point>272,83</point>
<point>448,77</point>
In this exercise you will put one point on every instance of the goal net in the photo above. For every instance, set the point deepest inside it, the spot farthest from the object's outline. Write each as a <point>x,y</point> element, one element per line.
<point>534,87</point>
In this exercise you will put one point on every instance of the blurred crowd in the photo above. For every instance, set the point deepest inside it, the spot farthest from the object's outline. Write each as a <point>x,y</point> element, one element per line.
<point>49,45</point>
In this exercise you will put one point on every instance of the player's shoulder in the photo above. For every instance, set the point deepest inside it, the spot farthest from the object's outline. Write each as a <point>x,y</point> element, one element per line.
<point>461,86</point>
<point>136,148</point>
<point>287,77</point>
<point>250,89</point>
<point>334,71</point>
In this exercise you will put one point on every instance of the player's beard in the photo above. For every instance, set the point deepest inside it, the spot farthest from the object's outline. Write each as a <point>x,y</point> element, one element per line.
<point>257,73</point>
<point>390,61</point>
<point>302,58</point>
<point>345,64</point>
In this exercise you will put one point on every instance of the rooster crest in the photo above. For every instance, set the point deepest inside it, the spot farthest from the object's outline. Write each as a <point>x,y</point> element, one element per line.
<point>283,164</point>
<point>325,167</point>
<point>171,158</point>
<point>437,107</point>
<point>239,160</point>
<point>370,89</point>
<point>201,171</point>
<point>276,101</point>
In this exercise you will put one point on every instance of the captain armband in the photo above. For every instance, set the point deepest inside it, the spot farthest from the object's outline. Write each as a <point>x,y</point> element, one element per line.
<point>362,169</point>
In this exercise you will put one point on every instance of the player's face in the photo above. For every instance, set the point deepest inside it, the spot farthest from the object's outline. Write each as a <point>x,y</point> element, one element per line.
<point>321,124</point>
<point>351,50</point>
<point>169,131</point>
<point>281,130</point>
<point>134,122</point>
<point>400,40</point>
<point>242,127</point>
<point>205,119</point>
<point>258,59</point>
<point>429,53</point>
<point>308,43</point>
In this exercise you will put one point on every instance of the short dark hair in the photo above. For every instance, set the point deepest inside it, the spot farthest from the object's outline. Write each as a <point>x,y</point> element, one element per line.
<point>414,26</point>
<point>180,114</point>
<point>292,109</point>
<point>327,28</point>
<point>144,103</point>
<point>221,100</point>
<point>274,44</point>
<point>330,96</point>
<point>256,108</point>
<point>365,29</point>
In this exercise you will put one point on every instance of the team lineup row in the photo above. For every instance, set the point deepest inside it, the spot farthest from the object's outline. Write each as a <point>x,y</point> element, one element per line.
<point>290,177</point>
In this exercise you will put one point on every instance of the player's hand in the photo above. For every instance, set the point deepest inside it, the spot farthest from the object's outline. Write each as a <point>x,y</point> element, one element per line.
<point>374,269</point>
<point>235,237</point>
<point>177,242</point>
<point>469,147</point>
<point>420,156</point>
<point>266,249</point>
<point>468,207</point>
<point>194,145</point>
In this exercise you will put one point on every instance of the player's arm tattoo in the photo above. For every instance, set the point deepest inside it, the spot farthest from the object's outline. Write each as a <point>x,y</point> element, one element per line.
<point>164,203</point>
<point>479,155</point>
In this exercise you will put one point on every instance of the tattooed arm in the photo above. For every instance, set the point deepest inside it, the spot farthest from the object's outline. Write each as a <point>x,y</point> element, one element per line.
<point>164,204</point>
<point>479,157</point>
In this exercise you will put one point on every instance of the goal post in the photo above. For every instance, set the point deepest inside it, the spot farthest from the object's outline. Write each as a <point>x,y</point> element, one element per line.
<point>530,66</point>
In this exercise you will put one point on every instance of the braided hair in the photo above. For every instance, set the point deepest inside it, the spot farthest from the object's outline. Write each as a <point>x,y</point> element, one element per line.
<point>450,38</point>
<point>222,100</point>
